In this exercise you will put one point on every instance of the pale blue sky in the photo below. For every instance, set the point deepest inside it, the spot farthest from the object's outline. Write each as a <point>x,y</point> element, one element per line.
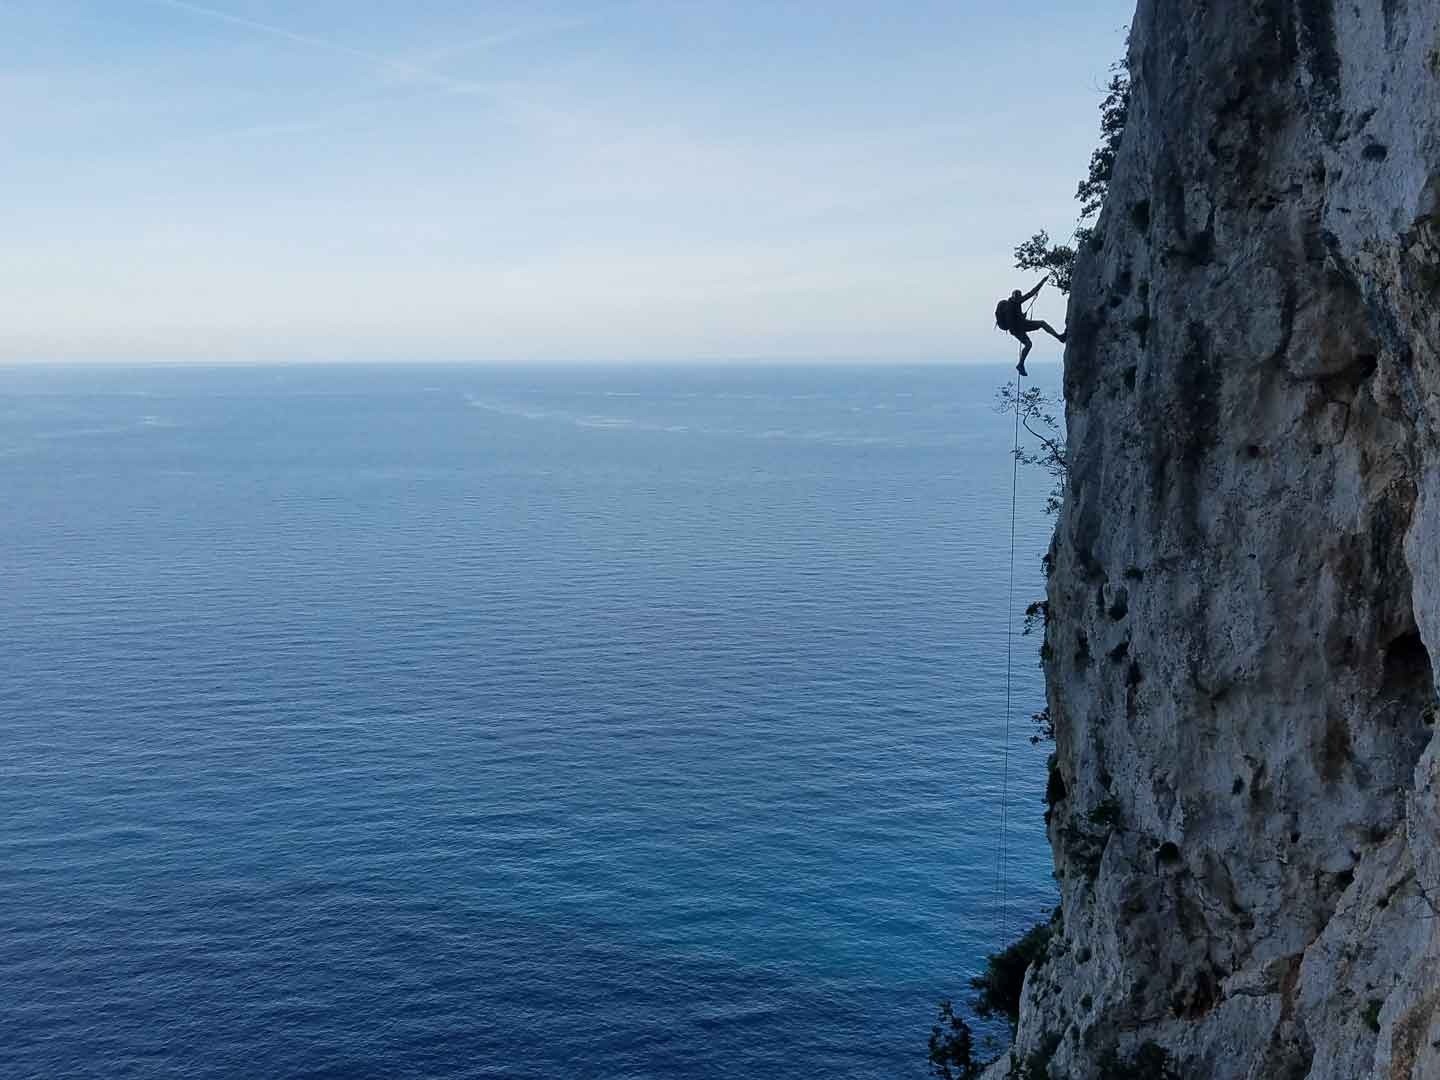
<point>573,180</point>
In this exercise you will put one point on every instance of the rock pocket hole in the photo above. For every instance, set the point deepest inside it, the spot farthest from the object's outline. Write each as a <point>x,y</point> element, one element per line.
<point>1055,789</point>
<point>1407,662</point>
<point>1119,605</point>
<point>1141,325</point>
<point>1336,750</point>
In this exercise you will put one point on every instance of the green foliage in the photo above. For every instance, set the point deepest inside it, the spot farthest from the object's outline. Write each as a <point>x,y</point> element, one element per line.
<point>1114,112</point>
<point>1057,260</point>
<point>952,1047</point>
<point>1040,417</point>
<point>998,989</point>
<point>1044,727</point>
<point>1087,236</point>
<point>1037,616</point>
<point>1151,1061</point>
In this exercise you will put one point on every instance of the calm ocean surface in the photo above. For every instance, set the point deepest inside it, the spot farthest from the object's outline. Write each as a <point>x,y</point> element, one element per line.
<point>454,722</point>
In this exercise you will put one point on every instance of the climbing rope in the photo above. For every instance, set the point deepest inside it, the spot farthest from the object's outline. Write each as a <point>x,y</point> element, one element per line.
<point>1002,854</point>
<point>1002,878</point>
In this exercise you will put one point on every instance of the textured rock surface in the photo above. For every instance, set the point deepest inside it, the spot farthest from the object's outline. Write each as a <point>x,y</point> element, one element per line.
<point>1249,839</point>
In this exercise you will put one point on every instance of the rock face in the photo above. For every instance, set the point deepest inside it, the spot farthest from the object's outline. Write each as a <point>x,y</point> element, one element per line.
<point>1245,597</point>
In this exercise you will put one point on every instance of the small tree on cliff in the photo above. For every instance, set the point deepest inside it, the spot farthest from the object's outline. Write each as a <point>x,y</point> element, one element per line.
<point>952,1047</point>
<point>1114,115</point>
<point>1058,260</point>
<point>998,988</point>
<point>1040,416</point>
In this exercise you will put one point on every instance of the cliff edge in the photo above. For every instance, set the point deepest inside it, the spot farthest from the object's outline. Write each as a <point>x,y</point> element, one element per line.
<point>1245,596</point>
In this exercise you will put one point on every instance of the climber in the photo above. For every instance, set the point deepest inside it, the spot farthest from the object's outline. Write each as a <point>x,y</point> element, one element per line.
<point>1010,317</point>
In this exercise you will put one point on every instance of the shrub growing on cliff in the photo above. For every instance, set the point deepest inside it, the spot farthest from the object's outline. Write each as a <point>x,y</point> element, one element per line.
<point>1114,114</point>
<point>1040,417</point>
<point>952,1047</point>
<point>1058,260</point>
<point>1044,727</point>
<point>1037,617</point>
<point>998,989</point>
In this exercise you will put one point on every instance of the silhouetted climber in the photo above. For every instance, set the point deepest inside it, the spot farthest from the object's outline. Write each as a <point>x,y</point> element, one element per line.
<point>1010,317</point>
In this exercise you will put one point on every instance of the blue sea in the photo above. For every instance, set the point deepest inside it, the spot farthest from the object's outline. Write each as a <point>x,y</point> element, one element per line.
<point>462,722</point>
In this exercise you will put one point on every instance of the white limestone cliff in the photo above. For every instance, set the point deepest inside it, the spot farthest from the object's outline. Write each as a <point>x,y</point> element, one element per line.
<point>1245,596</point>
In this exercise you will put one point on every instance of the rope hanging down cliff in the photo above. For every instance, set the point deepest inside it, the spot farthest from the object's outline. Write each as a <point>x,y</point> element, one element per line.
<point>1002,882</point>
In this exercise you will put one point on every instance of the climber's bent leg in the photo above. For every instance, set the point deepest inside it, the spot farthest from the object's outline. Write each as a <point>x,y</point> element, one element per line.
<point>1027,345</point>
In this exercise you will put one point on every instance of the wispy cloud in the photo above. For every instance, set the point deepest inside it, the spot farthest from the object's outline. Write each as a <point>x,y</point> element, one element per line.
<point>562,180</point>
<point>401,69</point>
<point>540,28</point>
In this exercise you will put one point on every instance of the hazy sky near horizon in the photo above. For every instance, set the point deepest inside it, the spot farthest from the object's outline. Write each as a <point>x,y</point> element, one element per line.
<point>567,180</point>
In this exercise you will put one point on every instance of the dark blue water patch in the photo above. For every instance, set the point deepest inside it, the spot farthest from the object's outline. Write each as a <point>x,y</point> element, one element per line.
<point>463,722</point>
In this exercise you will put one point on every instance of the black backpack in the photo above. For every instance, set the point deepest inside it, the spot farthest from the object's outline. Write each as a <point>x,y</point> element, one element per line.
<point>1003,311</point>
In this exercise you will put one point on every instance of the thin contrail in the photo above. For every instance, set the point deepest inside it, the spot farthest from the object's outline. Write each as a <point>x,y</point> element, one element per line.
<point>543,28</point>
<point>397,67</point>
